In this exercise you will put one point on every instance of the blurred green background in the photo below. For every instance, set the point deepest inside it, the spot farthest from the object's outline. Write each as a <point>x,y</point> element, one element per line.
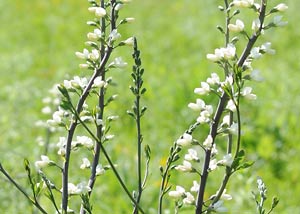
<point>38,40</point>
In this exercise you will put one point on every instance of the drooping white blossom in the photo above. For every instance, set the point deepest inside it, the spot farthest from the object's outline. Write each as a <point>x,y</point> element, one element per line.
<point>186,166</point>
<point>281,7</point>
<point>45,161</point>
<point>185,140</point>
<point>178,193</point>
<point>192,155</point>
<point>237,27</point>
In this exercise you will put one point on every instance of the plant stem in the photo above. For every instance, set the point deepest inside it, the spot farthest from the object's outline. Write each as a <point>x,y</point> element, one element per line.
<point>73,126</point>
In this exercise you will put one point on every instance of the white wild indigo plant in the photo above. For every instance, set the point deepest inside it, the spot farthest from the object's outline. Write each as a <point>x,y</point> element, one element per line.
<point>80,113</point>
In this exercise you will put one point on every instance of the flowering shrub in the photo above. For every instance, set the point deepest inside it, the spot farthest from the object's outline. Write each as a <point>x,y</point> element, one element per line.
<point>79,108</point>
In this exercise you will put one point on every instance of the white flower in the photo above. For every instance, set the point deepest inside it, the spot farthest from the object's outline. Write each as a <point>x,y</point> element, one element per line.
<point>192,155</point>
<point>85,163</point>
<point>83,66</point>
<point>83,55</point>
<point>233,129</point>
<point>205,88</point>
<point>99,11</point>
<point>281,7</point>
<point>118,63</point>
<point>189,198</point>
<point>226,120</point>
<point>214,79</point>
<point>214,150</point>
<point>277,21</point>
<point>246,92</point>
<point>45,161</point>
<point>205,114</point>
<point>208,142</point>
<point>266,48</point>
<point>237,27</point>
<point>255,75</point>
<point>222,53</point>
<point>213,164</point>
<point>185,167</point>
<point>176,194</point>
<point>256,25</point>
<point>226,161</point>
<point>129,19</point>
<point>218,207</point>
<point>128,41</point>
<point>198,106</point>
<point>100,170</point>
<point>243,3</point>
<point>119,7</point>
<point>81,188</point>
<point>255,53</point>
<point>46,110</point>
<point>114,35</point>
<point>62,146</point>
<point>195,187</point>
<point>126,1</point>
<point>79,82</point>
<point>231,106</point>
<point>98,82</point>
<point>185,140</point>
<point>94,55</point>
<point>84,141</point>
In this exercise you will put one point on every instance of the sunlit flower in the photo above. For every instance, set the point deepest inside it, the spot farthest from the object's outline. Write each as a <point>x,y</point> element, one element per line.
<point>213,164</point>
<point>119,7</point>
<point>45,161</point>
<point>255,53</point>
<point>246,92</point>
<point>227,160</point>
<point>128,41</point>
<point>256,25</point>
<point>266,48</point>
<point>281,7</point>
<point>98,82</point>
<point>83,55</point>
<point>243,3</point>
<point>81,188</point>
<point>214,79</point>
<point>205,88</point>
<point>222,53</point>
<point>255,75</point>
<point>85,163</point>
<point>185,140</point>
<point>98,11</point>
<point>100,170</point>
<point>198,106</point>
<point>231,106</point>
<point>218,207</point>
<point>237,27</point>
<point>84,141</point>
<point>118,63</point>
<point>178,193</point>
<point>226,120</point>
<point>114,35</point>
<point>185,167</point>
<point>277,21</point>
<point>189,198</point>
<point>233,129</point>
<point>61,146</point>
<point>195,187</point>
<point>208,142</point>
<point>192,155</point>
<point>94,55</point>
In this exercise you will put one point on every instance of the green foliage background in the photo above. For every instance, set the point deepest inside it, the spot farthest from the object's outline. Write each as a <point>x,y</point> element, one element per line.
<point>37,44</point>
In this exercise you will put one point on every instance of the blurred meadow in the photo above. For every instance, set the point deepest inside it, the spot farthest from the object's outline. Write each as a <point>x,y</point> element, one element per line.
<point>38,40</point>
